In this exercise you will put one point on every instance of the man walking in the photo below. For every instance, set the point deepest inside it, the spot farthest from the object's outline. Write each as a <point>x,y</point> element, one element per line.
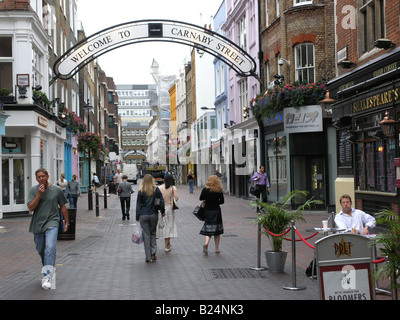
<point>262,183</point>
<point>44,200</point>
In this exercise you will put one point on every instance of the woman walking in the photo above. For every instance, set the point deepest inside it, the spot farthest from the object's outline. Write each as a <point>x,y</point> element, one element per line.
<point>169,193</point>
<point>73,191</point>
<point>62,183</point>
<point>213,196</point>
<point>147,215</point>
<point>124,192</point>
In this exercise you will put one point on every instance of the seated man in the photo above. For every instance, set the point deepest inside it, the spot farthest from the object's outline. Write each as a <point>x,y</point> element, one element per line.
<point>353,220</point>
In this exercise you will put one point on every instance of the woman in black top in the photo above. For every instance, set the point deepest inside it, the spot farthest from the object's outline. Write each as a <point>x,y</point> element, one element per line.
<point>213,196</point>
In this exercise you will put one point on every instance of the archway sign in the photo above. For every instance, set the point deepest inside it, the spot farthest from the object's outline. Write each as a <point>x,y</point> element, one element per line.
<point>153,30</point>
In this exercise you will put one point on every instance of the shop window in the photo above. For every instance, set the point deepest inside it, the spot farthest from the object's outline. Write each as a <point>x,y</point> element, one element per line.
<point>304,62</point>
<point>276,165</point>
<point>374,157</point>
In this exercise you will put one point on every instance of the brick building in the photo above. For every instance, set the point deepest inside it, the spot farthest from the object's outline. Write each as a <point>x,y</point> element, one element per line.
<point>367,86</point>
<point>297,40</point>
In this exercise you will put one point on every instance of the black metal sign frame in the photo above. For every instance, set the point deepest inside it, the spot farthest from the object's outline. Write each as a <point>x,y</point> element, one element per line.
<point>140,31</point>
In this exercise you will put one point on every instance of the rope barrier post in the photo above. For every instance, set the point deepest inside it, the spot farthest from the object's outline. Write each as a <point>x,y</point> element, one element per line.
<point>294,285</point>
<point>258,264</point>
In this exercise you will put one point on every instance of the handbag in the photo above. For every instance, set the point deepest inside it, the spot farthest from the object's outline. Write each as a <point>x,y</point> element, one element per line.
<point>157,202</point>
<point>255,191</point>
<point>174,206</point>
<point>199,211</point>
<point>137,236</point>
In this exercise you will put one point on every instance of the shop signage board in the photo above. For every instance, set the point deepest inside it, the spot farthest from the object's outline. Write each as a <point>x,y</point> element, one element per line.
<point>304,119</point>
<point>344,266</point>
<point>153,30</point>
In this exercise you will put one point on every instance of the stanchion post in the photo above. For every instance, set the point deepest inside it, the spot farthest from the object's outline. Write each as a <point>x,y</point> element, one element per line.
<point>97,204</point>
<point>294,285</point>
<point>105,196</point>
<point>258,264</point>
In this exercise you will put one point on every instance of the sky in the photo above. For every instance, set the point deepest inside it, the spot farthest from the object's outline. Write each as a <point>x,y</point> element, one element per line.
<point>131,64</point>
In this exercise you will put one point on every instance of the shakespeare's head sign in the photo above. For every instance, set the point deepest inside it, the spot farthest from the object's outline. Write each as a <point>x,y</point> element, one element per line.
<point>156,30</point>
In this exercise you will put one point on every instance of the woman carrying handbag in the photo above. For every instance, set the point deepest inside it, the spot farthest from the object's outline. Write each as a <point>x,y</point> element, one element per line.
<point>147,214</point>
<point>170,195</point>
<point>213,226</point>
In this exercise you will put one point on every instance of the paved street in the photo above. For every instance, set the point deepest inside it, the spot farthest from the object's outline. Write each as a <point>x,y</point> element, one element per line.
<point>102,263</point>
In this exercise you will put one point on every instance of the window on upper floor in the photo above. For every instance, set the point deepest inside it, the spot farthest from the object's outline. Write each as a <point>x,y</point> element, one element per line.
<point>242,33</point>
<point>277,8</point>
<point>6,62</point>
<point>371,19</point>
<point>304,62</point>
<point>243,96</point>
<point>301,2</point>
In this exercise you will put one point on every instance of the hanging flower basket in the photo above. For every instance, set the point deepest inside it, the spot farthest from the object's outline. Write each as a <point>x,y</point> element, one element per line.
<point>91,142</point>
<point>293,94</point>
<point>74,123</point>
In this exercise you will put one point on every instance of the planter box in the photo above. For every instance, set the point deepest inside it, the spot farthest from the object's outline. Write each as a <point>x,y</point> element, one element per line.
<point>7,99</point>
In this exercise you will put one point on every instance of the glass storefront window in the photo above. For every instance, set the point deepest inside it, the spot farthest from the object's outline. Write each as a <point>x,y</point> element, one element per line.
<point>276,166</point>
<point>375,159</point>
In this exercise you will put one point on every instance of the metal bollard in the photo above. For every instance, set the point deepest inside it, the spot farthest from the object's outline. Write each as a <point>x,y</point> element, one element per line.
<point>105,196</point>
<point>294,286</point>
<point>258,264</point>
<point>90,198</point>
<point>97,204</point>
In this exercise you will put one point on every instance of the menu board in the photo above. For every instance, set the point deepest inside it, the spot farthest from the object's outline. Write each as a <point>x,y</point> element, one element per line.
<point>345,149</point>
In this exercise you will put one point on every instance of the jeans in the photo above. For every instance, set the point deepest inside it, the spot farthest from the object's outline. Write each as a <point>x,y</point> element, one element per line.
<point>148,222</point>
<point>125,206</point>
<point>191,183</point>
<point>73,200</point>
<point>46,246</point>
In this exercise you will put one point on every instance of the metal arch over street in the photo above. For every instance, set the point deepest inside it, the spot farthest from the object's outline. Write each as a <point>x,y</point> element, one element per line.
<point>153,30</point>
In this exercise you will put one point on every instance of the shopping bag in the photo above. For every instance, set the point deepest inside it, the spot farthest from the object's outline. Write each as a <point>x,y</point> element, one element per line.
<point>137,236</point>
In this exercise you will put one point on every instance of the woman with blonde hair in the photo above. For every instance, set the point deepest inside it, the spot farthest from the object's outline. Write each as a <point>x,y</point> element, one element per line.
<point>213,197</point>
<point>147,215</point>
<point>62,183</point>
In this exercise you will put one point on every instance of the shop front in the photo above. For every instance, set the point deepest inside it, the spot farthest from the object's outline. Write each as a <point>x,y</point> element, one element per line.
<point>33,139</point>
<point>299,144</point>
<point>366,150</point>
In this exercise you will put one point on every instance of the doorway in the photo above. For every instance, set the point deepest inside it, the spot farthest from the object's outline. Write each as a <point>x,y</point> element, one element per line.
<point>308,174</point>
<point>13,182</point>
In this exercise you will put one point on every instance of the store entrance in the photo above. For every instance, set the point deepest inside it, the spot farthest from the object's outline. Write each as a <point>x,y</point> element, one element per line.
<point>13,182</point>
<point>308,173</point>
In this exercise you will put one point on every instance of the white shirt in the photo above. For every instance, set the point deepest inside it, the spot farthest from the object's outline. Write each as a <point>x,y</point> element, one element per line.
<point>358,220</point>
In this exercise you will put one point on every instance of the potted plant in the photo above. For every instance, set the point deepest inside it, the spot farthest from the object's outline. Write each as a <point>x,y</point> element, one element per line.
<point>388,243</point>
<point>6,95</point>
<point>276,219</point>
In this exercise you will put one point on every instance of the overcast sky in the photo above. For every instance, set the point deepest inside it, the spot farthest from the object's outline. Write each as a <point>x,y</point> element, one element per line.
<point>131,64</point>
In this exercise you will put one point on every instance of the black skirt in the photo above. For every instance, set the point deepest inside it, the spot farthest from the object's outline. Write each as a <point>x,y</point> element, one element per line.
<point>213,225</point>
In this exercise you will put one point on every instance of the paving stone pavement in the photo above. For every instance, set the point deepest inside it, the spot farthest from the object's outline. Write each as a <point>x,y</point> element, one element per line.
<point>102,263</point>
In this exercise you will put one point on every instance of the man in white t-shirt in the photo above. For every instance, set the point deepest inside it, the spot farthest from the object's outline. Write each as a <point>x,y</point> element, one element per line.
<point>353,220</point>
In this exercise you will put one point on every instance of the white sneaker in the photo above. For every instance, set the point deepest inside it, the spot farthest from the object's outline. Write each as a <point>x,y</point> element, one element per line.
<point>46,282</point>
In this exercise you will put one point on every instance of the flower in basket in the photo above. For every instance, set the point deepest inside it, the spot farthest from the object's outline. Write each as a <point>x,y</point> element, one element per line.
<point>88,141</point>
<point>74,123</point>
<point>293,94</point>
